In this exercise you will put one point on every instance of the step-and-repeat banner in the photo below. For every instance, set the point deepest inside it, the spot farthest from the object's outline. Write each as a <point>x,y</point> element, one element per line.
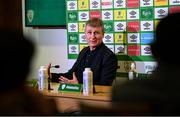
<point>129,28</point>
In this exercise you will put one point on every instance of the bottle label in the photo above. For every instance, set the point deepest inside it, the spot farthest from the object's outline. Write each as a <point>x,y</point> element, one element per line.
<point>87,83</point>
<point>42,79</point>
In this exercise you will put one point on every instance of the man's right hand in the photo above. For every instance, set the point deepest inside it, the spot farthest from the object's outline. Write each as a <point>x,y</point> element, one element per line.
<point>63,79</point>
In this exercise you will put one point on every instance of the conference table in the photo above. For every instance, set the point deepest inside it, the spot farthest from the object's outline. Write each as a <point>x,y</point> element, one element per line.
<point>69,102</point>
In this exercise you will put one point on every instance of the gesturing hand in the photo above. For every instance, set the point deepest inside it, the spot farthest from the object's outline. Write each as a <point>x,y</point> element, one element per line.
<point>63,79</point>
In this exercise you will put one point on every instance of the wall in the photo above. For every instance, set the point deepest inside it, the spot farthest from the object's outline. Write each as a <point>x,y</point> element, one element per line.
<point>51,47</point>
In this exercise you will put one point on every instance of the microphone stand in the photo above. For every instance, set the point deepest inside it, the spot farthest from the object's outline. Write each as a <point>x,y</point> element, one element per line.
<point>94,90</point>
<point>49,84</point>
<point>49,75</point>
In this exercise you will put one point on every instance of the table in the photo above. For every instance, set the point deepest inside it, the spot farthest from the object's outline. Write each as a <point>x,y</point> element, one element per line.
<point>69,102</point>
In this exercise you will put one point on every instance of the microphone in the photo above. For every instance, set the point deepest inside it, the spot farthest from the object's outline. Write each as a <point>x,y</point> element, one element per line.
<point>55,66</point>
<point>49,67</point>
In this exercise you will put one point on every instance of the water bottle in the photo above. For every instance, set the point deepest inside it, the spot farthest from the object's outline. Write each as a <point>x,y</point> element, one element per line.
<point>132,73</point>
<point>87,82</point>
<point>42,81</point>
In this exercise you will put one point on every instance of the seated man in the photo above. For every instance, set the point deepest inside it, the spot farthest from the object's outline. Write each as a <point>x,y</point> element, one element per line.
<point>97,56</point>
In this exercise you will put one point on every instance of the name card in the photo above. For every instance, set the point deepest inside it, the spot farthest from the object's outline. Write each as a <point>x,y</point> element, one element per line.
<point>70,88</point>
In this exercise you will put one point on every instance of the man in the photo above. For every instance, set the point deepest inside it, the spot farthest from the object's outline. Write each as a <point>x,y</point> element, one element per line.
<point>158,95</point>
<point>96,56</point>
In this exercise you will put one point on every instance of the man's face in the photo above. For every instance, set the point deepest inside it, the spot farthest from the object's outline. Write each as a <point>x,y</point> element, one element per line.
<point>94,36</point>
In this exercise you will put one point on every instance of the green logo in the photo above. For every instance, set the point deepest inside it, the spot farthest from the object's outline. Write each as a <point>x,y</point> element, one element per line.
<point>108,26</point>
<point>73,38</point>
<point>72,16</point>
<point>70,88</point>
<point>147,13</point>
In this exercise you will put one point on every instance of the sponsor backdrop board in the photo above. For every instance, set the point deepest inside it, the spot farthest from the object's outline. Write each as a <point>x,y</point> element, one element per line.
<point>129,28</point>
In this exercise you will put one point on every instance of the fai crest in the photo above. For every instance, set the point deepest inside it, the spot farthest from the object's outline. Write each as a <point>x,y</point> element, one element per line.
<point>30,15</point>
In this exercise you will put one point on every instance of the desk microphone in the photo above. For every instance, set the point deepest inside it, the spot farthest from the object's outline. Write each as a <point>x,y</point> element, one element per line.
<point>55,66</point>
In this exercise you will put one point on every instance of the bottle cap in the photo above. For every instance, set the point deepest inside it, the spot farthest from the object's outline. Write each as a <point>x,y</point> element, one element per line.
<point>87,68</point>
<point>42,67</point>
<point>132,66</point>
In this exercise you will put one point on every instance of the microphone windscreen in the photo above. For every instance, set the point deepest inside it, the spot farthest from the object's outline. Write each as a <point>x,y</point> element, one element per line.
<point>57,66</point>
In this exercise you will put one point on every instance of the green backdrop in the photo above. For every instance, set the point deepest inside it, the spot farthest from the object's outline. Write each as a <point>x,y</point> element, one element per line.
<point>45,13</point>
